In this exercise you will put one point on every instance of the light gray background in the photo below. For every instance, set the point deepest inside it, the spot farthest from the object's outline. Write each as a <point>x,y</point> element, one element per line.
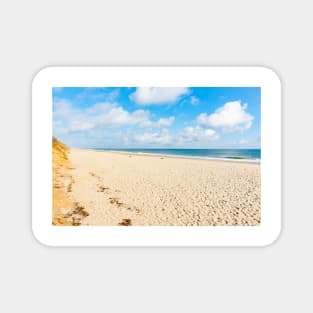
<point>35,34</point>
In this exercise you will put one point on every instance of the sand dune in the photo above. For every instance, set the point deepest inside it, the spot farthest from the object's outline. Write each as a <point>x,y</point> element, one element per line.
<point>65,211</point>
<point>129,189</point>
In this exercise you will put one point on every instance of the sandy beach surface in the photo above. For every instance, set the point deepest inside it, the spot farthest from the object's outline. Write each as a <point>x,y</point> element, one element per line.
<point>132,189</point>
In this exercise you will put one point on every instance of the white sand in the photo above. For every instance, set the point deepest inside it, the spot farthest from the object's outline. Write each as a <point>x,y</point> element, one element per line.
<point>160,191</point>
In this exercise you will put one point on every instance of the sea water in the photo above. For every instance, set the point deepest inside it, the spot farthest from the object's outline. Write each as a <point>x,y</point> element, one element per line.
<point>248,155</point>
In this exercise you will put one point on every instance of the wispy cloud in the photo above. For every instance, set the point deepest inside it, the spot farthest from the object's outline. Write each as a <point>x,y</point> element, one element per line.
<point>100,94</point>
<point>161,138</point>
<point>194,100</point>
<point>243,142</point>
<point>158,95</point>
<point>196,134</point>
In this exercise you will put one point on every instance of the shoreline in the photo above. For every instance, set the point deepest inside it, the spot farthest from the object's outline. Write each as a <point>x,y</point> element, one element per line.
<point>130,189</point>
<point>243,160</point>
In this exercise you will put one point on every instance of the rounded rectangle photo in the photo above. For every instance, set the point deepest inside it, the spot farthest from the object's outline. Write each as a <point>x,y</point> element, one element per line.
<point>156,156</point>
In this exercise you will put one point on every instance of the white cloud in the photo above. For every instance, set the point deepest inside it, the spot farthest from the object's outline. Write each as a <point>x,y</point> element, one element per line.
<point>157,95</point>
<point>165,121</point>
<point>99,94</point>
<point>243,142</point>
<point>102,115</point>
<point>197,134</point>
<point>232,116</point>
<point>62,108</point>
<point>160,138</point>
<point>194,100</point>
<point>113,95</point>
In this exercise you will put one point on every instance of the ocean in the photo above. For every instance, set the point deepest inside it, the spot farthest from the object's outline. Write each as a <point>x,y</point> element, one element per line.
<point>246,155</point>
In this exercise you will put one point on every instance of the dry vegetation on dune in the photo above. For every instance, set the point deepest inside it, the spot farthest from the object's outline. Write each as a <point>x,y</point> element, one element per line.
<point>65,211</point>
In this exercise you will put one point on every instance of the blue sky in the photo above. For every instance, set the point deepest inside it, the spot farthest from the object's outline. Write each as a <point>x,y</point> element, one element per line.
<point>157,117</point>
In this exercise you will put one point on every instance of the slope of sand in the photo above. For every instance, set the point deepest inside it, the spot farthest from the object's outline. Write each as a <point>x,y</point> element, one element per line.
<point>131,189</point>
<point>65,211</point>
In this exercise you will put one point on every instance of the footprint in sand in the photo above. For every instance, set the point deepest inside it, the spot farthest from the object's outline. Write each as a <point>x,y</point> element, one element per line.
<point>102,189</point>
<point>115,201</point>
<point>69,187</point>
<point>81,211</point>
<point>77,214</point>
<point>76,221</point>
<point>94,175</point>
<point>125,222</point>
<point>137,211</point>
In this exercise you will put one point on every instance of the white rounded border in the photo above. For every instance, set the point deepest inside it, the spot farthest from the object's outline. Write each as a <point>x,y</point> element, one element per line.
<point>262,235</point>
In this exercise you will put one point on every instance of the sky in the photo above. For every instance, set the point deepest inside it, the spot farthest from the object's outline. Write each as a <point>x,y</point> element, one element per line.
<point>157,117</point>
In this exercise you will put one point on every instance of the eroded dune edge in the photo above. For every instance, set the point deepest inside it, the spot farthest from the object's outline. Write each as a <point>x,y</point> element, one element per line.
<point>65,210</point>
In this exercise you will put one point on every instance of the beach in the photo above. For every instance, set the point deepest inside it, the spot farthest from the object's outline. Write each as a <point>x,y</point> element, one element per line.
<point>127,189</point>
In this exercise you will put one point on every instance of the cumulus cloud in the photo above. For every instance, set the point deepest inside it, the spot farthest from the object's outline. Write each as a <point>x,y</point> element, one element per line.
<point>101,115</point>
<point>232,116</point>
<point>197,134</point>
<point>165,121</point>
<point>158,95</point>
<point>160,138</point>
